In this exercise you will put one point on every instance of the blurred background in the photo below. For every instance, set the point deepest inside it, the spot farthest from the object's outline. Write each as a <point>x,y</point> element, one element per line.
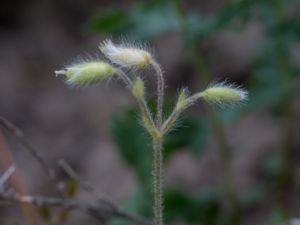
<point>223,166</point>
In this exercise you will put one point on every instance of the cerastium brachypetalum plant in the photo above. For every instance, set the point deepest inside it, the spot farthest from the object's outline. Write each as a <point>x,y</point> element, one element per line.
<point>124,59</point>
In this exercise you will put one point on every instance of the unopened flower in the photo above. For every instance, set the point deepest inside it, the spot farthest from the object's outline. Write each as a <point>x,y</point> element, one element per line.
<point>224,94</point>
<point>182,101</point>
<point>138,88</point>
<point>87,73</point>
<point>129,57</point>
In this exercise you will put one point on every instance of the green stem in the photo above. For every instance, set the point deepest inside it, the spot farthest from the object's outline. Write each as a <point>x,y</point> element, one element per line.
<point>225,153</point>
<point>160,93</point>
<point>230,194</point>
<point>158,173</point>
<point>285,176</point>
<point>170,121</point>
<point>147,117</point>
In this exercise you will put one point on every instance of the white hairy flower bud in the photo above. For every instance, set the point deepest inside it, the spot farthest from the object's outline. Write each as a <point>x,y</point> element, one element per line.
<point>129,57</point>
<point>138,88</point>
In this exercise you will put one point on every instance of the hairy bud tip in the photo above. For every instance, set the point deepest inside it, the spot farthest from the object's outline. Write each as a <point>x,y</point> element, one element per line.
<point>224,94</point>
<point>87,73</point>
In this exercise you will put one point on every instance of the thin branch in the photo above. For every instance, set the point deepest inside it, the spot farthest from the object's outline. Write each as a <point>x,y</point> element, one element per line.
<point>18,133</point>
<point>6,175</point>
<point>101,210</point>
<point>72,174</point>
<point>15,180</point>
<point>89,188</point>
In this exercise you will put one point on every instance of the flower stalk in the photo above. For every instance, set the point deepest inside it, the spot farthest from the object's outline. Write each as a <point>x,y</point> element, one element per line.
<point>160,92</point>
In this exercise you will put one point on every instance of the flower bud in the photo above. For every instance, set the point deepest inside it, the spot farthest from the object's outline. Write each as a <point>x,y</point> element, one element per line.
<point>224,94</point>
<point>87,73</point>
<point>138,88</point>
<point>182,101</point>
<point>126,56</point>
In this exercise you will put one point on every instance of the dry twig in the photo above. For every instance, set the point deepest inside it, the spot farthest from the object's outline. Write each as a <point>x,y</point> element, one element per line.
<point>18,133</point>
<point>101,209</point>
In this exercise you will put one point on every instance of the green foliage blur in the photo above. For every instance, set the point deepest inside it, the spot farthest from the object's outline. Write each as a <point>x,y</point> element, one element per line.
<point>271,87</point>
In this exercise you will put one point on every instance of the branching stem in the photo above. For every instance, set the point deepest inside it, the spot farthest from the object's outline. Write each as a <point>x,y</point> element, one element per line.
<point>141,102</point>
<point>170,121</point>
<point>154,130</point>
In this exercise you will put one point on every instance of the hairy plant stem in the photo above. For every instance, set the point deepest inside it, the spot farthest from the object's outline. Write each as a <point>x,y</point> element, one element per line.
<point>160,93</point>
<point>154,130</point>
<point>147,117</point>
<point>158,186</point>
<point>170,121</point>
<point>157,147</point>
<point>125,78</point>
